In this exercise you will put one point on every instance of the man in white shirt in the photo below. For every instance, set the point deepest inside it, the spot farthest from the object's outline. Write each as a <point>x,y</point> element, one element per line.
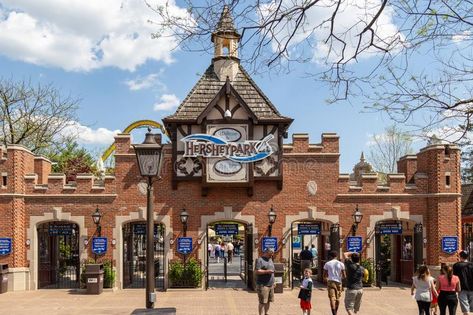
<point>334,272</point>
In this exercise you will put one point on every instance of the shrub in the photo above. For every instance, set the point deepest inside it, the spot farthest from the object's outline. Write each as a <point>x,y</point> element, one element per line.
<point>368,265</point>
<point>189,275</point>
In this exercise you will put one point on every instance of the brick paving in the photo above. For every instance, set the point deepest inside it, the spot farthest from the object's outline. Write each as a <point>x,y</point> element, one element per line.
<point>388,301</point>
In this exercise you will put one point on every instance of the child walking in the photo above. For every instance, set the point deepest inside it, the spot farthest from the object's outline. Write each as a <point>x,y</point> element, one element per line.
<point>305,293</point>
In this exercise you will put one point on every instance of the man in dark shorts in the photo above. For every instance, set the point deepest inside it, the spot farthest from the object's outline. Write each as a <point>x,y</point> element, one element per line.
<point>355,274</point>
<point>464,270</point>
<point>265,280</point>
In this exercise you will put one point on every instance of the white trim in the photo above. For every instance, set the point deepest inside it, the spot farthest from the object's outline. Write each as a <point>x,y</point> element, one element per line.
<point>32,234</point>
<point>117,233</point>
<point>432,195</point>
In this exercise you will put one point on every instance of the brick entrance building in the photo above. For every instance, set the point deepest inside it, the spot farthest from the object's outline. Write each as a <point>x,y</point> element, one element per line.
<point>236,175</point>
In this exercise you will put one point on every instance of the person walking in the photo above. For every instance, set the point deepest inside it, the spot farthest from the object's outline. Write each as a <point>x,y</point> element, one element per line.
<point>217,252</point>
<point>265,280</point>
<point>334,271</point>
<point>305,293</point>
<point>230,248</point>
<point>448,285</point>
<point>306,259</point>
<point>314,252</point>
<point>464,271</point>
<point>423,284</point>
<point>355,275</point>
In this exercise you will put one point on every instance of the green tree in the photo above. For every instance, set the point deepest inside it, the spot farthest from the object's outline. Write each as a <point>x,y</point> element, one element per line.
<point>35,116</point>
<point>71,160</point>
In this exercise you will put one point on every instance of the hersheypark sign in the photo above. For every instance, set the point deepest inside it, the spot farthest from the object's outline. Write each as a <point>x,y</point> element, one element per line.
<point>212,146</point>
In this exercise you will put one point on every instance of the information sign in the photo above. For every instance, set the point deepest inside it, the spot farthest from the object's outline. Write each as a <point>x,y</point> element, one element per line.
<point>308,228</point>
<point>296,242</point>
<point>226,229</point>
<point>269,242</point>
<point>354,244</point>
<point>449,244</point>
<point>5,246</point>
<point>99,245</point>
<point>184,245</point>
<point>390,228</point>
<point>60,229</point>
<point>140,229</point>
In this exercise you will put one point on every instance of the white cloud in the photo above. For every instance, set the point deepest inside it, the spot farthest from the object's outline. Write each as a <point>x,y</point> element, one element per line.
<point>352,17</point>
<point>81,35</point>
<point>462,37</point>
<point>167,102</point>
<point>87,135</point>
<point>140,83</point>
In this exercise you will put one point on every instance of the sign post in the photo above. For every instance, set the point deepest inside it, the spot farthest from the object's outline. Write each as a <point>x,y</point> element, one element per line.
<point>269,242</point>
<point>308,229</point>
<point>226,229</point>
<point>184,245</point>
<point>99,245</point>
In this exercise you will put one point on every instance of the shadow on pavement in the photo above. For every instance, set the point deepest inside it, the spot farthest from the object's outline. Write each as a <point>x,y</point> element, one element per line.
<point>155,311</point>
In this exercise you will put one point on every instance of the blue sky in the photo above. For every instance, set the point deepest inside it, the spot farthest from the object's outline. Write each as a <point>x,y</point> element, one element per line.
<point>134,77</point>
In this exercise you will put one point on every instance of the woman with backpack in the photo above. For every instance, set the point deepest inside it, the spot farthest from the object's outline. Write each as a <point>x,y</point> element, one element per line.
<point>448,285</point>
<point>423,285</point>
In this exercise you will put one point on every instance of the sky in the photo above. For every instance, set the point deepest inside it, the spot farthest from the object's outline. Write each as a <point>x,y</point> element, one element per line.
<point>102,53</point>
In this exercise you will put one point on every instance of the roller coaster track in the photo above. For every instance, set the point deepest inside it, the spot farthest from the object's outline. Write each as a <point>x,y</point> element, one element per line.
<point>134,125</point>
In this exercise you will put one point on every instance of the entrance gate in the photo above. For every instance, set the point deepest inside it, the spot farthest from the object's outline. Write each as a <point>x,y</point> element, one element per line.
<point>134,255</point>
<point>468,239</point>
<point>398,251</point>
<point>58,250</point>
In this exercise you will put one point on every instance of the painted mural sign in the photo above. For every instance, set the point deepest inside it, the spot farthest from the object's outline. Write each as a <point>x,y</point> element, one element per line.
<point>449,244</point>
<point>5,246</point>
<point>213,146</point>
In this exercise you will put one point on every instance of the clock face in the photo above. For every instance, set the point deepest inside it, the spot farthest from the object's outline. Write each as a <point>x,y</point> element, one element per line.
<point>142,187</point>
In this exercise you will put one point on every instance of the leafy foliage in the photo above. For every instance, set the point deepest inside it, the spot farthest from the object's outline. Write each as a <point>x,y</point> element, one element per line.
<point>368,265</point>
<point>189,275</point>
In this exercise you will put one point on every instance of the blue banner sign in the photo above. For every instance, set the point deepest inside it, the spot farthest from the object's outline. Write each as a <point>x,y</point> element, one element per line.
<point>296,242</point>
<point>184,245</point>
<point>354,244</point>
<point>390,228</point>
<point>269,242</point>
<point>308,229</point>
<point>99,245</point>
<point>60,229</point>
<point>140,229</point>
<point>449,244</point>
<point>5,246</point>
<point>226,229</point>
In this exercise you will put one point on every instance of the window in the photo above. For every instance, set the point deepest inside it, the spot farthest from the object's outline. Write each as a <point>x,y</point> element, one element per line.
<point>4,180</point>
<point>447,180</point>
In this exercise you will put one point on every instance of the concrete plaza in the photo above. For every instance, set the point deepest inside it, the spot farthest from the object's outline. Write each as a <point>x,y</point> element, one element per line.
<point>388,301</point>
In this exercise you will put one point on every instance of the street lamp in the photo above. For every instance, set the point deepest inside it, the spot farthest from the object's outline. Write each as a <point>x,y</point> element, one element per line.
<point>357,217</point>
<point>272,218</point>
<point>149,157</point>
<point>96,216</point>
<point>184,216</point>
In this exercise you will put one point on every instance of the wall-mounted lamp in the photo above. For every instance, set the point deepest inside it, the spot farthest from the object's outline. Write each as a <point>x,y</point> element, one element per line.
<point>184,216</point>
<point>271,218</point>
<point>357,217</point>
<point>97,216</point>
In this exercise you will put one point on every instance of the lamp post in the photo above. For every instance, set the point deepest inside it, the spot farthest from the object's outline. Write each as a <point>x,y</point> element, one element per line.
<point>149,157</point>
<point>271,218</point>
<point>96,216</point>
<point>184,216</point>
<point>357,217</point>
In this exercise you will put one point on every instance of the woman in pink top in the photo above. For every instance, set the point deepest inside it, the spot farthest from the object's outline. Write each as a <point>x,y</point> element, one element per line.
<point>448,285</point>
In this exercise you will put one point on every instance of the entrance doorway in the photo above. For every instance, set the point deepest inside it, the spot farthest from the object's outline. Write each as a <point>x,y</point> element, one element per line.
<point>398,246</point>
<point>134,255</point>
<point>58,251</point>
<point>319,238</point>
<point>229,255</point>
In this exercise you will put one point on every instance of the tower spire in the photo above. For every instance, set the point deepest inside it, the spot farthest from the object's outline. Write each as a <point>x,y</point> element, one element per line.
<point>225,37</point>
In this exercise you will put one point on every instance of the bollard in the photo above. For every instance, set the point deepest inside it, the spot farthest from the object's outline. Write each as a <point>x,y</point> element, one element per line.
<point>225,268</point>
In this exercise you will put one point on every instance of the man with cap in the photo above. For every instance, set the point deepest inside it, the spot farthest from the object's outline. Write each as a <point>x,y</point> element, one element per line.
<point>464,270</point>
<point>265,280</point>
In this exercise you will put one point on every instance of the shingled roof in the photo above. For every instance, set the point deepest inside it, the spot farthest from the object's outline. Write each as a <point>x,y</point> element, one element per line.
<point>209,85</point>
<point>225,24</point>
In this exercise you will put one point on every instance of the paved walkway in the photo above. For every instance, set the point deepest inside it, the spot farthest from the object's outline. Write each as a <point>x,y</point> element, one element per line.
<point>388,301</point>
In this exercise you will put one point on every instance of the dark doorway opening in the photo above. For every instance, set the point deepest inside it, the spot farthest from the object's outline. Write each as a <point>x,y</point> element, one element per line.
<point>134,255</point>
<point>320,238</point>
<point>229,255</point>
<point>58,251</point>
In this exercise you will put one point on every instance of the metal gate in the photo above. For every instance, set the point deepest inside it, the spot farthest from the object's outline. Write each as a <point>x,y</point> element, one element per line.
<point>58,251</point>
<point>134,255</point>
<point>468,239</point>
